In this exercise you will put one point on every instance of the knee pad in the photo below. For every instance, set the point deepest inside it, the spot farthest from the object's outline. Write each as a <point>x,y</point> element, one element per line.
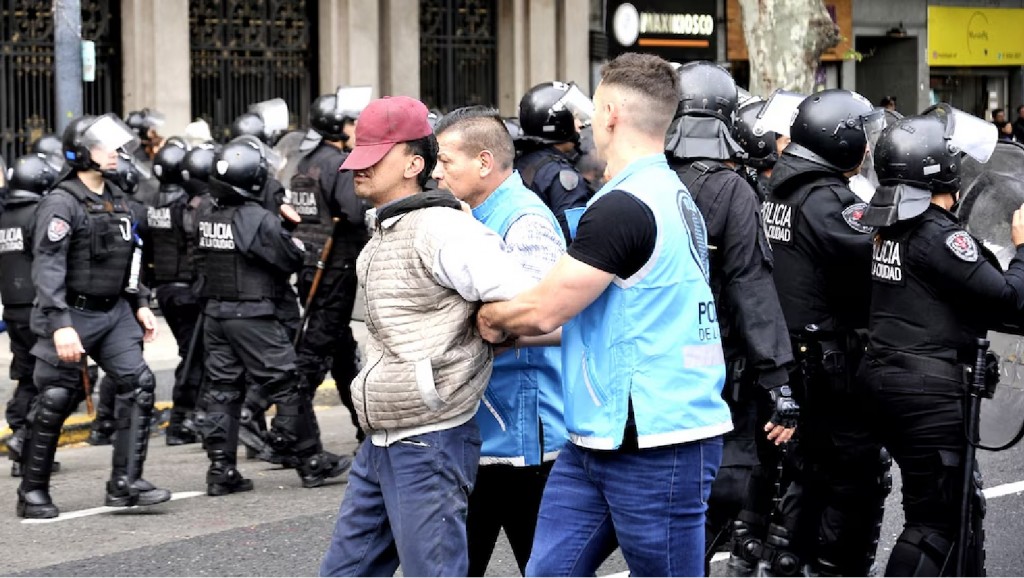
<point>920,552</point>
<point>145,382</point>
<point>55,400</point>
<point>782,558</point>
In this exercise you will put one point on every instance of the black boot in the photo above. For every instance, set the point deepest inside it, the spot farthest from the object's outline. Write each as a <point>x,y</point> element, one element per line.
<point>178,433</point>
<point>133,411</point>
<point>37,454</point>
<point>315,470</point>
<point>223,477</point>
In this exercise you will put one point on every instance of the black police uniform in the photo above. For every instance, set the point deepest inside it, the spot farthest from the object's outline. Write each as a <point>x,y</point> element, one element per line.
<point>831,512</point>
<point>172,244</point>
<point>17,294</point>
<point>319,194</point>
<point>130,180</point>
<point>754,339</point>
<point>935,290</point>
<point>82,250</point>
<point>550,173</point>
<point>245,260</point>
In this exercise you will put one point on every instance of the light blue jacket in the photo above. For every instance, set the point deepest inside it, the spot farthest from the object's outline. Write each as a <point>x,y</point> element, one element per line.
<point>524,396</point>
<point>652,338</point>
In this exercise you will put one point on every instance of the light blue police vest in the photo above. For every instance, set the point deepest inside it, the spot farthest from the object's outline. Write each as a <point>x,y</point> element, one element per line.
<point>653,337</point>
<point>524,396</point>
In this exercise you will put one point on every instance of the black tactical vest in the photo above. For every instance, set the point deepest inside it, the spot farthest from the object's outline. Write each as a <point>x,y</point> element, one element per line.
<point>529,169</point>
<point>98,261</point>
<point>909,313</point>
<point>172,251</point>
<point>16,253</point>
<point>800,276</point>
<point>307,198</point>
<point>227,274</point>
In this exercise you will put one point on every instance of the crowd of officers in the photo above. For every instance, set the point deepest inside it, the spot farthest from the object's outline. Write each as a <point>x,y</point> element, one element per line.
<point>817,329</point>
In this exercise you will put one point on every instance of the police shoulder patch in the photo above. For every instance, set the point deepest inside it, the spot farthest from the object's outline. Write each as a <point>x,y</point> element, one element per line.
<point>962,245</point>
<point>569,179</point>
<point>852,215</point>
<point>57,229</point>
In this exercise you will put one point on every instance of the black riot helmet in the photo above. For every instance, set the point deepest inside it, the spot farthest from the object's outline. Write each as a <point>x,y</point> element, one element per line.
<point>541,119</point>
<point>128,175</point>
<point>197,168</point>
<point>31,177</point>
<point>76,154</point>
<point>833,128</point>
<point>167,163</point>
<point>49,145</point>
<point>86,133</point>
<point>249,124</point>
<point>761,151</point>
<point>708,90</point>
<point>915,151</point>
<point>327,119</point>
<point>240,169</point>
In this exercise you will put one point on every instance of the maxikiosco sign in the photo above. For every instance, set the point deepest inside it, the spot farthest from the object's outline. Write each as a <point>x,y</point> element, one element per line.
<point>675,30</point>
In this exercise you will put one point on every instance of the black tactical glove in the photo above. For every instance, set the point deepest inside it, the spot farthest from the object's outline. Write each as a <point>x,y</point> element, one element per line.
<point>787,410</point>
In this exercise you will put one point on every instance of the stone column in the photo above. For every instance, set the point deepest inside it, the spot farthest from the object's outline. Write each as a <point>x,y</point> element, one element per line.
<point>156,60</point>
<point>400,48</point>
<point>540,41</point>
<point>350,44</point>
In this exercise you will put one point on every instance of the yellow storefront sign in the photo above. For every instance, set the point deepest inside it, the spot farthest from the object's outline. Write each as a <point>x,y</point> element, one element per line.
<point>975,36</point>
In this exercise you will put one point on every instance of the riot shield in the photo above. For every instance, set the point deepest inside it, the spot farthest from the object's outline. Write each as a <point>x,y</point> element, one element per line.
<point>1002,416</point>
<point>291,150</point>
<point>990,193</point>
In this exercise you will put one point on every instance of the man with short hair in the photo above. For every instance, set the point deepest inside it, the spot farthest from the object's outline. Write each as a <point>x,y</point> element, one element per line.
<point>520,419</point>
<point>1018,125</point>
<point>643,367</point>
<point>425,269</point>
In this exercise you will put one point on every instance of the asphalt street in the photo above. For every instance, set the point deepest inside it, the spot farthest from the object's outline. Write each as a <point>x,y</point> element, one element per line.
<point>281,529</point>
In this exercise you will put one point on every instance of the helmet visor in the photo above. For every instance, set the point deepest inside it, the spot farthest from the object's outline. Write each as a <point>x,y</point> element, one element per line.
<point>579,104</point>
<point>351,100</point>
<point>110,134</point>
<point>970,134</point>
<point>778,113</point>
<point>874,124</point>
<point>274,113</point>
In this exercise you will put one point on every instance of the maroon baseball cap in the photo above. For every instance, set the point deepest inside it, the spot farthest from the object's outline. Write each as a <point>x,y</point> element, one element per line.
<point>384,123</point>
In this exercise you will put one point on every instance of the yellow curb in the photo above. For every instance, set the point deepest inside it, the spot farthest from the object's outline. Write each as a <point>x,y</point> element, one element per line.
<point>76,427</point>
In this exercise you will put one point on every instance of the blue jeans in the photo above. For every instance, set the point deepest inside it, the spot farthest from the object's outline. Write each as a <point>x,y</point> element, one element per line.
<point>651,503</point>
<point>407,502</point>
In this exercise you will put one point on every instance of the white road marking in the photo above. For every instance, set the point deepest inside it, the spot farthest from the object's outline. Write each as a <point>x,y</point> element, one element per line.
<point>1003,490</point>
<point>105,509</point>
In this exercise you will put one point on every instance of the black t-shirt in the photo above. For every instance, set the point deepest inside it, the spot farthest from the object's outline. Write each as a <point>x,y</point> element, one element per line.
<point>616,235</point>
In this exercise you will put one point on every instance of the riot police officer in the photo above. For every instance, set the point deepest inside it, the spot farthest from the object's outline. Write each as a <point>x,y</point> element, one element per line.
<point>822,273</point>
<point>935,290</point>
<point>31,177</point>
<point>327,203</point>
<point>548,148</point>
<point>246,258</point>
<point>699,147</point>
<point>85,297</point>
<point>129,176</point>
<point>760,151</point>
<point>171,245</point>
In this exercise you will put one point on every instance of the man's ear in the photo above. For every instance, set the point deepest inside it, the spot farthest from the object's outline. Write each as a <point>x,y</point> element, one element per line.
<point>486,160</point>
<point>415,166</point>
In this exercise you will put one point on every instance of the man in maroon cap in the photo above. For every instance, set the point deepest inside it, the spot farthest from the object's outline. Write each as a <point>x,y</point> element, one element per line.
<point>423,273</point>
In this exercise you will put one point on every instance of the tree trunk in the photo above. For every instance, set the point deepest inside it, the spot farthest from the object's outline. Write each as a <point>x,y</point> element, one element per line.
<point>785,41</point>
